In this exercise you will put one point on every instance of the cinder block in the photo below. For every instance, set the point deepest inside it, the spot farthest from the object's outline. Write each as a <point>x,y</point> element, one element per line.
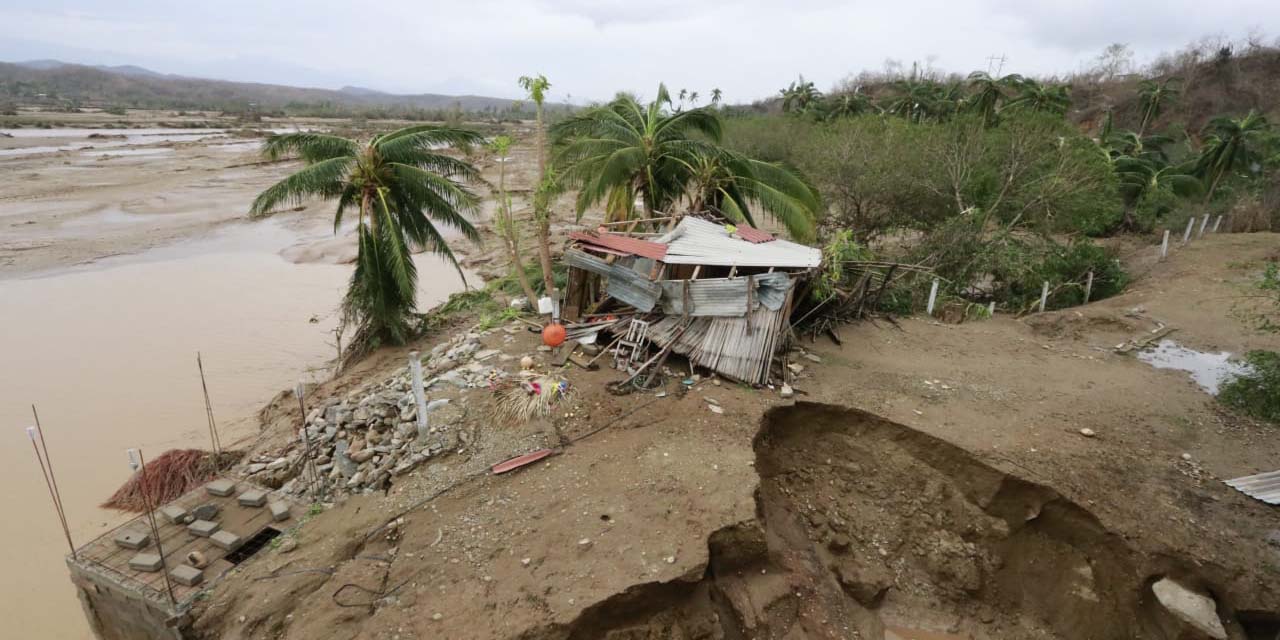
<point>279,511</point>
<point>148,562</point>
<point>186,575</point>
<point>253,498</point>
<point>203,528</point>
<point>133,539</point>
<point>220,488</point>
<point>225,540</point>
<point>173,513</point>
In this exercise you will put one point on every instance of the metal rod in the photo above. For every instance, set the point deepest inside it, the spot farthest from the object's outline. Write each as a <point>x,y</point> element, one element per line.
<point>317,489</point>
<point>53,477</point>
<point>208,410</point>
<point>155,530</point>
<point>31,434</point>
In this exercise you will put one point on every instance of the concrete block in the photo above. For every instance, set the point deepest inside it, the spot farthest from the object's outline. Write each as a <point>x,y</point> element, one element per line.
<point>203,528</point>
<point>253,498</point>
<point>148,562</point>
<point>221,488</point>
<point>225,540</point>
<point>187,576</point>
<point>279,511</point>
<point>173,513</point>
<point>132,539</point>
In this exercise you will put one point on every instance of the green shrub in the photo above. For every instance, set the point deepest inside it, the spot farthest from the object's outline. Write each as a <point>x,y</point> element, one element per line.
<point>1257,392</point>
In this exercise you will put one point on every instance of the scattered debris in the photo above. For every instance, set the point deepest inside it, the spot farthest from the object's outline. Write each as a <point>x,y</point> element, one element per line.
<point>1262,486</point>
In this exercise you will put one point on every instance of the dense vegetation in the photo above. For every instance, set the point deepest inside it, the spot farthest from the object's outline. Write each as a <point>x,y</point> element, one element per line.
<point>1000,183</point>
<point>1257,392</point>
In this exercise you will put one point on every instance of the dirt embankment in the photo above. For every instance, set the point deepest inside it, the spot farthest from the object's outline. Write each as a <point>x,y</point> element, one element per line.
<point>936,482</point>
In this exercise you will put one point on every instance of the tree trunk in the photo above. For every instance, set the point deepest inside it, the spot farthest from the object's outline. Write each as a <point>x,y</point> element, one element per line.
<point>512,238</point>
<point>542,215</point>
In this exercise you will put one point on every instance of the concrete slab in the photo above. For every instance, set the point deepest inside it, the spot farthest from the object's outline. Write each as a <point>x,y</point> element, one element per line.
<point>279,511</point>
<point>253,498</point>
<point>186,575</point>
<point>133,539</point>
<point>226,540</point>
<point>173,513</point>
<point>221,488</point>
<point>148,562</point>
<point>203,528</point>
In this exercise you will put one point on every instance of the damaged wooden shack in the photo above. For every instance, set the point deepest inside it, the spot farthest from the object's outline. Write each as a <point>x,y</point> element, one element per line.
<point>717,294</point>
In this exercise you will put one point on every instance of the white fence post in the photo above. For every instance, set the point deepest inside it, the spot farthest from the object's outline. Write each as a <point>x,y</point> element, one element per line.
<point>933,296</point>
<point>419,394</point>
<point>1186,235</point>
<point>1203,225</point>
<point>1088,287</point>
<point>1164,246</point>
<point>1044,295</point>
<point>1216,223</point>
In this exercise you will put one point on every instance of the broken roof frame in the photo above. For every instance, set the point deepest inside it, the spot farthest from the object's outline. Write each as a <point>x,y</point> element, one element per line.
<point>735,324</point>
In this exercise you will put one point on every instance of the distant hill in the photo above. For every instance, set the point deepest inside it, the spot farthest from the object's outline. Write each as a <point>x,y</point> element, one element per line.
<point>56,82</point>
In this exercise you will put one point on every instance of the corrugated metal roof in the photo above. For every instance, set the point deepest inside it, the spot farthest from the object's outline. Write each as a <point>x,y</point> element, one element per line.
<point>754,235</point>
<point>1263,486</point>
<point>625,244</point>
<point>697,241</point>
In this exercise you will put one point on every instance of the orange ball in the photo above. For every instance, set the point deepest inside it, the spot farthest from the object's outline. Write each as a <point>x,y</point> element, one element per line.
<point>553,335</point>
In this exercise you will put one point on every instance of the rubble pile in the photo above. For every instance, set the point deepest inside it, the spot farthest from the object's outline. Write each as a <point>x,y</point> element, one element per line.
<point>359,442</point>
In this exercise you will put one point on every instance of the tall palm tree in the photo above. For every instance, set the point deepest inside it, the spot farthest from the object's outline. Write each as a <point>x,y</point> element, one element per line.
<point>1153,96</point>
<point>623,151</point>
<point>715,96</point>
<point>988,93</point>
<point>845,105</point>
<point>1140,176</point>
<point>401,188</point>
<point>1035,96</point>
<point>1230,144</point>
<point>537,87</point>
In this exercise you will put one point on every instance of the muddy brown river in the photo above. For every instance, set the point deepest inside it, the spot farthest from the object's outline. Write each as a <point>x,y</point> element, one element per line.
<point>105,345</point>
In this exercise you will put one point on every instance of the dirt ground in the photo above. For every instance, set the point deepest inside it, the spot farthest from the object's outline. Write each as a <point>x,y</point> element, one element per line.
<point>932,480</point>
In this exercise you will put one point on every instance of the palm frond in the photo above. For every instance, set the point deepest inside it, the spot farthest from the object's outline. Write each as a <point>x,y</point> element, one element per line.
<point>324,179</point>
<point>311,147</point>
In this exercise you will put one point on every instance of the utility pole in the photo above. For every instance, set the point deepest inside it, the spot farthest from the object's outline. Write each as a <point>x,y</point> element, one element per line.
<point>992,60</point>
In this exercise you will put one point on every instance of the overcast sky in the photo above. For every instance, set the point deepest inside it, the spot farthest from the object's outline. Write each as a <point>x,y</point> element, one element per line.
<point>591,49</point>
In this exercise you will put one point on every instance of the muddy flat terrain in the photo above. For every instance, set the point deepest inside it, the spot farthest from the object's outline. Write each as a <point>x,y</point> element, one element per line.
<point>932,481</point>
<point>124,250</point>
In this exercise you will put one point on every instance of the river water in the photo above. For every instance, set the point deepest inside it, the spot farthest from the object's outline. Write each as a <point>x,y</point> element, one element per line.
<point>107,353</point>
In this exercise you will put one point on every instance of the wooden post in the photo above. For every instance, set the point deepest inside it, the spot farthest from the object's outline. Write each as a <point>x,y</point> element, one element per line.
<point>1044,295</point>
<point>1216,223</point>
<point>1203,224</point>
<point>1088,287</point>
<point>1186,235</point>
<point>1164,246</point>
<point>933,296</point>
<point>419,393</point>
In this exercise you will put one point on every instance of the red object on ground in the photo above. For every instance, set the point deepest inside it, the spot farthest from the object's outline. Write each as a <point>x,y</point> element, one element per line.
<point>753,235</point>
<point>553,334</point>
<point>625,244</point>
<point>520,461</point>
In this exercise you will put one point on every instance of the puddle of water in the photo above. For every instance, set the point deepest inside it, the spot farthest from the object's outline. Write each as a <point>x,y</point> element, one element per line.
<point>107,352</point>
<point>1209,370</point>
<point>91,146</point>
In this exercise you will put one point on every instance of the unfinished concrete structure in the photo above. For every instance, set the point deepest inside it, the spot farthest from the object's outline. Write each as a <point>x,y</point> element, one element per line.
<point>121,580</point>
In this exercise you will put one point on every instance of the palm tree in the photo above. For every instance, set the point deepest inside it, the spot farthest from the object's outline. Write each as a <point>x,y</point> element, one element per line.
<point>693,98</point>
<point>623,151</point>
<point>537,87</point>
<point>715,96</point>
<point>919,99</point>
<point>799,96</point>
<point>1229,145</point>
<point>1054,99</point>
<point>505,221</point>
<point>1140,176</point>
<point>401,187</point>
<point>988,93</point>
<point>845,105</point>
<point>1153,96</point>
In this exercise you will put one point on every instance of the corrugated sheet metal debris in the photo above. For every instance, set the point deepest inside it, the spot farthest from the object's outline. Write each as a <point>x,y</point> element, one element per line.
<point>725,345</point>
<point>625,244</point>
<point>725,296</point>
<point>1263,486</point>
<point>754,235</point>
<point>624,283</point>
<point>697,241</point>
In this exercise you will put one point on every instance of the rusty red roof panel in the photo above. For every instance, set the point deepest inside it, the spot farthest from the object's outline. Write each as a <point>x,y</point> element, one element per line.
<point>632,246</point>
<point>754,235</point>
<point>520,461</point>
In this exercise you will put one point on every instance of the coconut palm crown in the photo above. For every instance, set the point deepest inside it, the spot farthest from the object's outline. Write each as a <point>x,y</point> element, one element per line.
<point>401,189</point>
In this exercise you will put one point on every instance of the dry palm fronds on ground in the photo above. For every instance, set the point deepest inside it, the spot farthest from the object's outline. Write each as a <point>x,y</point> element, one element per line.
<point>523,400</point>
<point>168,476</point>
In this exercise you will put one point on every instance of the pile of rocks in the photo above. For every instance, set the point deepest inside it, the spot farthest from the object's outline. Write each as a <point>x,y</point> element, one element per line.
<point>360,441</point>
